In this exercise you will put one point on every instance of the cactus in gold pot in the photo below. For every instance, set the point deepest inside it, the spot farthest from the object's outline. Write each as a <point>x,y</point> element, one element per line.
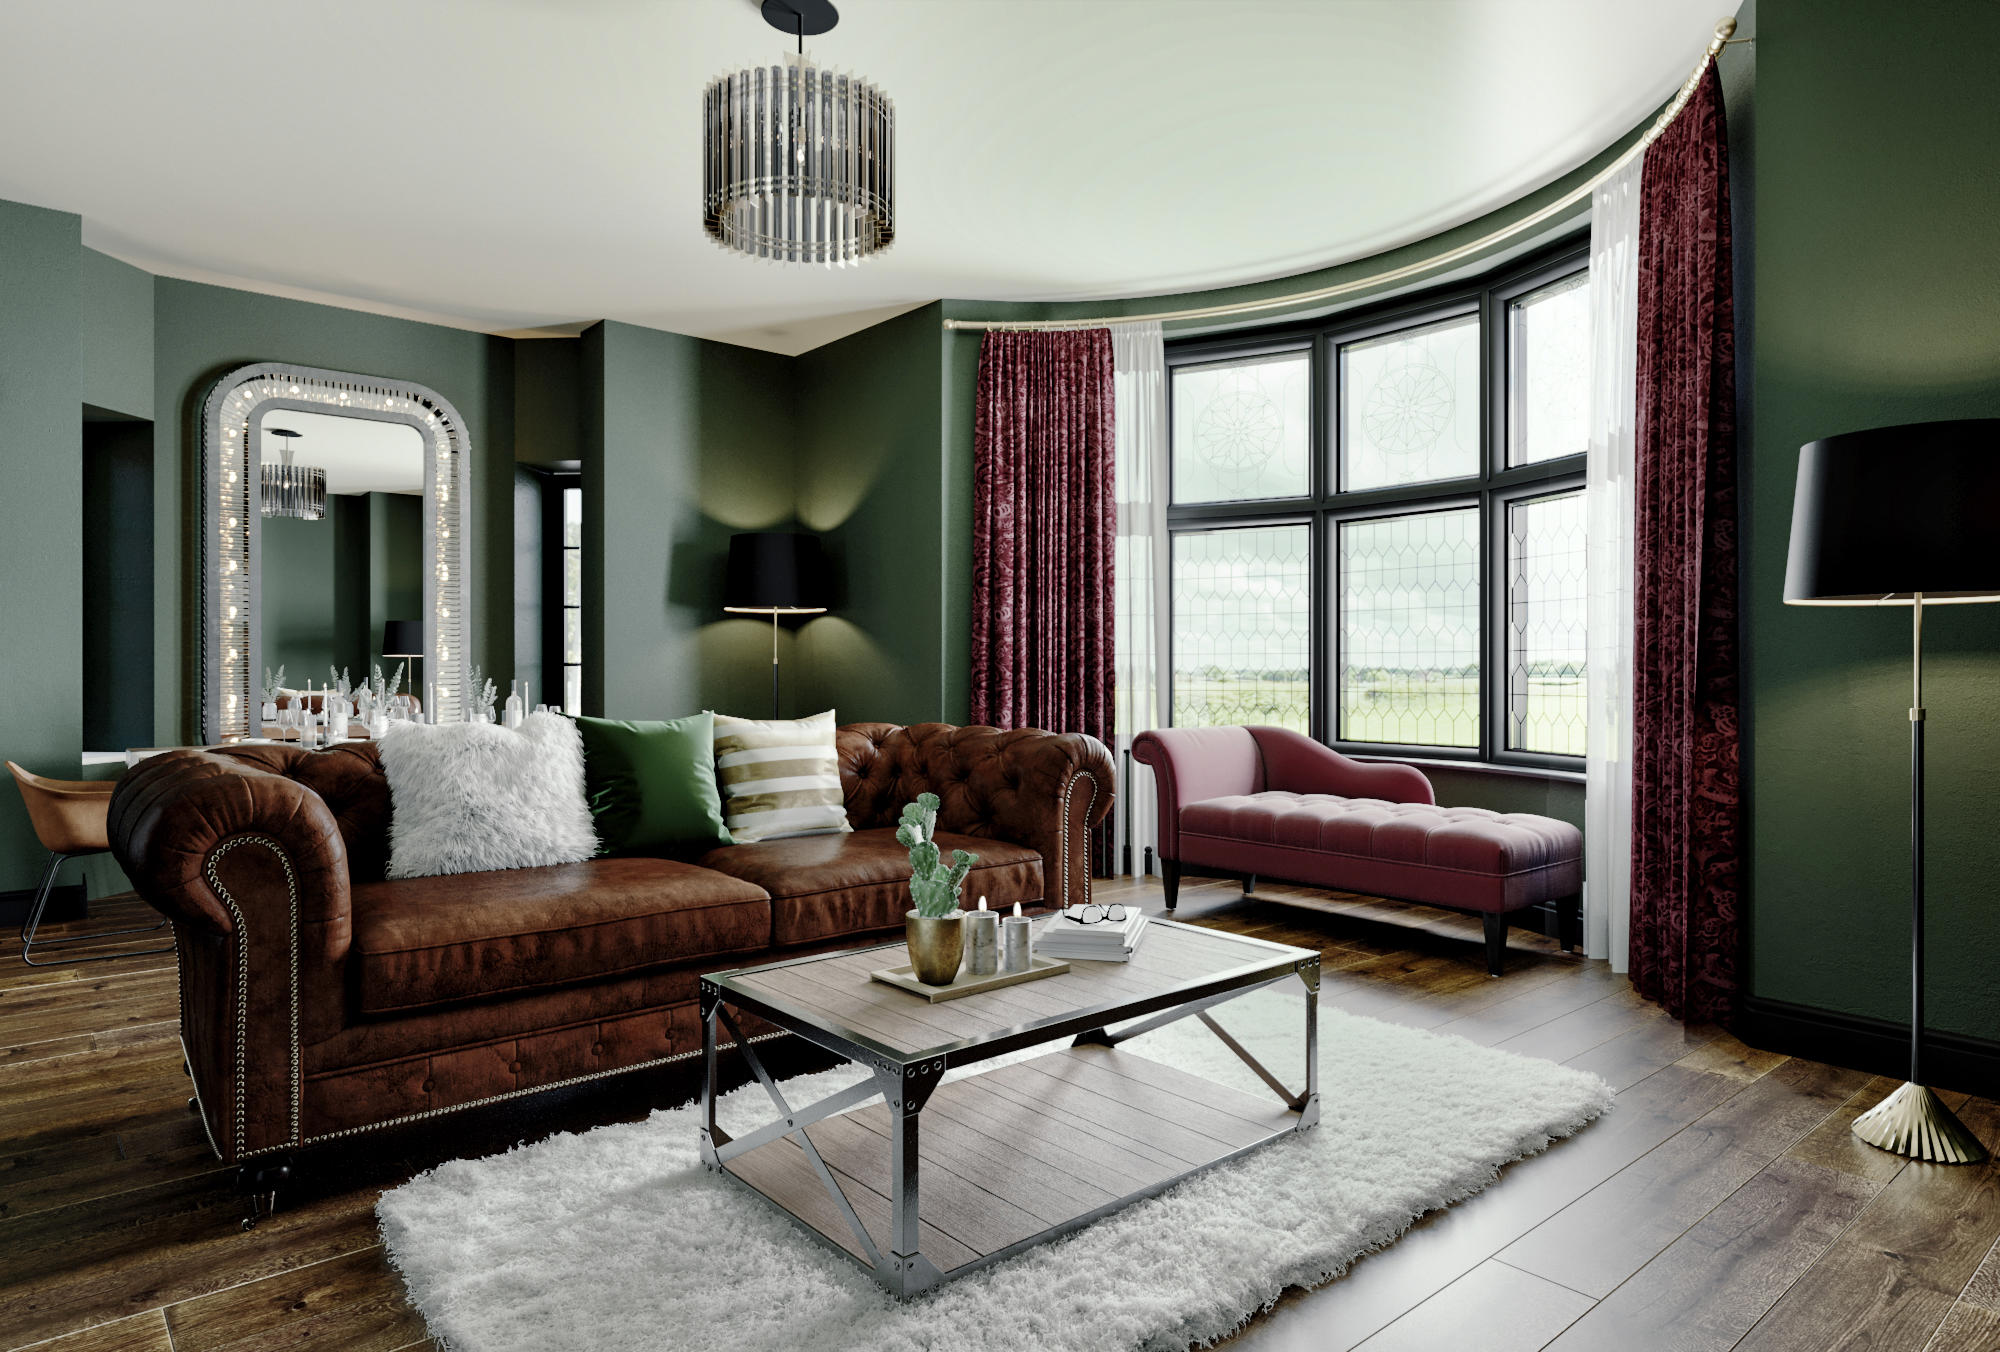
<point>932,926</point>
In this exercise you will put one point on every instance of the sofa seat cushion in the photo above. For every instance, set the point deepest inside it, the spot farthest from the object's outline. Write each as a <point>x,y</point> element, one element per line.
<point>1466,857</point>
<point>824,886</point>
<point>421,942</point>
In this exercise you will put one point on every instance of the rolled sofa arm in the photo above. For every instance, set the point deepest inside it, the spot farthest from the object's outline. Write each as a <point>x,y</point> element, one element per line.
<point>1192,764</point>
<point>1044,790</point>
<point>250,867</point>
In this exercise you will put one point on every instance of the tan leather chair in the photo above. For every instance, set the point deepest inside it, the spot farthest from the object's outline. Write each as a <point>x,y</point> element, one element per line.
<point>69,819</point>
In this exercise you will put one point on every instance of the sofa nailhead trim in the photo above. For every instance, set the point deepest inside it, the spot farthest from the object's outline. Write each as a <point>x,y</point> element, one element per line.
<point>1069,790</point>
<point>243,984</point>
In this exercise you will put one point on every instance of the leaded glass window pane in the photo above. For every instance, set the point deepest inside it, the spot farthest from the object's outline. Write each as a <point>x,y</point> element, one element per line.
<point>1409,629</point>
<point>1546,604</point>
<point>1409,406</point>
<point>1548,372</point>
<point>1243,429</point>
<point>1242,629</point>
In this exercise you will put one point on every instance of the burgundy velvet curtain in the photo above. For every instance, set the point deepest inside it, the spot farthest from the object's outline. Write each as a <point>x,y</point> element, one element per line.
<point>1044,524</point>
<point>1686,936</point>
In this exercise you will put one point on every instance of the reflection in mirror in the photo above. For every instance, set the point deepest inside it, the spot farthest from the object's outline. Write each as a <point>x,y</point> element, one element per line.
<point>343,538</point>
<point>350,463</point>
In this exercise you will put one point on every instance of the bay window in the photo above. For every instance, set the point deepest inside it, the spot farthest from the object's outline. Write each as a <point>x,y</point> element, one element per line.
<point>1377,523</point>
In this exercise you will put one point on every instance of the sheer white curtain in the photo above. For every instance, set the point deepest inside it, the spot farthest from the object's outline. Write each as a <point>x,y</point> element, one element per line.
<point>1139,365</point>
<point>1608,488</point>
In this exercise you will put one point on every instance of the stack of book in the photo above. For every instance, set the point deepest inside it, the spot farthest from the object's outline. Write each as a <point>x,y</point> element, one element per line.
<point>1105,941</point>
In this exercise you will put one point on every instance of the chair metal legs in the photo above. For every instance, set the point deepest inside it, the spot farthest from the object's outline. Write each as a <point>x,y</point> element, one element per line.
<point>29,942</point>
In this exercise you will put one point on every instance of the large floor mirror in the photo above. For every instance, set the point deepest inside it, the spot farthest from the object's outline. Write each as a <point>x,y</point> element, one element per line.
<point>334,506</point>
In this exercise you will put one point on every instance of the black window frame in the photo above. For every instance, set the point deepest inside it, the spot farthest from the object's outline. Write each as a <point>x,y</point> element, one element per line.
<point>1326,505</point>
<point>554,482</point>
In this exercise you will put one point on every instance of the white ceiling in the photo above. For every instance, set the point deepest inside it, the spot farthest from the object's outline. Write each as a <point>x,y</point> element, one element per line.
<point>359,455</point>
<point>508,165</point>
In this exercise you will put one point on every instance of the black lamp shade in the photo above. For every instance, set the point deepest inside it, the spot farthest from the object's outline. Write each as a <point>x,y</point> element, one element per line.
<point>402,638</point>
<point>1885,514</point>
<point>775,571</point>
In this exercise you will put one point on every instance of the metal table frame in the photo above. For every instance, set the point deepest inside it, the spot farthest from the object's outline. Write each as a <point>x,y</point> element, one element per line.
<point>905,1080</point>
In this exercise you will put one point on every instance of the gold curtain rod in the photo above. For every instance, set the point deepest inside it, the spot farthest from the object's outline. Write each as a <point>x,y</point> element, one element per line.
<point>1724,29</point>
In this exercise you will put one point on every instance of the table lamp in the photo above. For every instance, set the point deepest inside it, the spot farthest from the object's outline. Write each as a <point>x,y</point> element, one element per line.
<point>1903,516</point>
<point>775,573</point>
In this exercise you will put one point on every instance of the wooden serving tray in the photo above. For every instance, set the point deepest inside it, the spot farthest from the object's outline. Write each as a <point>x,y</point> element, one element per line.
<point>903,978</point>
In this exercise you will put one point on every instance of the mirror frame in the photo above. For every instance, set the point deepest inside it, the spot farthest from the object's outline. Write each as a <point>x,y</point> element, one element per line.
<point>232,527</point>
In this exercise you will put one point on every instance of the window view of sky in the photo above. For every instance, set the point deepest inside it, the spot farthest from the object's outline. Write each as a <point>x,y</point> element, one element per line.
<point>1407,599</point>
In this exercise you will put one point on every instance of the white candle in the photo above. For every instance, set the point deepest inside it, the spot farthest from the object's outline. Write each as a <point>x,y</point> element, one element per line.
<point>1016,947</point>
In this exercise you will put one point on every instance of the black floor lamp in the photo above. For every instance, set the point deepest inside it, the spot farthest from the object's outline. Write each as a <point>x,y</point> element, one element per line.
<point>775,573</point>
<point>1903,516</point>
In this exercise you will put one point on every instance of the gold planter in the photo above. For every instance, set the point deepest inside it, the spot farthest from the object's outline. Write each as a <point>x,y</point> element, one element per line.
<point>937,946</point>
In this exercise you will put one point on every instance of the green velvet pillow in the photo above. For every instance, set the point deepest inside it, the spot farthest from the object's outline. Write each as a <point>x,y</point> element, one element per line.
<point>651,785</point>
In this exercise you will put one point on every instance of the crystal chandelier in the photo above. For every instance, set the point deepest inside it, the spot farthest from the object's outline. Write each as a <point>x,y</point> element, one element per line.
<point>289,489</point>
<point>798,163</point>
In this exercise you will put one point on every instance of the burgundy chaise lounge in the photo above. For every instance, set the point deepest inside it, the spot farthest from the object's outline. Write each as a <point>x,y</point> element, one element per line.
<point>1240,802</point>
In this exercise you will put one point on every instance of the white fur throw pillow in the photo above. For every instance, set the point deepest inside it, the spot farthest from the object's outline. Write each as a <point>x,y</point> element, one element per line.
<point>469,797</point>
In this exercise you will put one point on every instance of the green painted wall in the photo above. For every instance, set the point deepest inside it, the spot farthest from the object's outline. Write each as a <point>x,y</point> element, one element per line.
<point>684,442</point>
<point>298,570</point>
<point>873,481</point>
<point>1878,302</point>
<point>330,584</point>
<point>116,335</point>
<point>201,332</point>
<point>41,513</point>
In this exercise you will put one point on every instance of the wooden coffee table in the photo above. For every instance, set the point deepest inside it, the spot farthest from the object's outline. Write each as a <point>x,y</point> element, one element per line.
<point>927,1182</point>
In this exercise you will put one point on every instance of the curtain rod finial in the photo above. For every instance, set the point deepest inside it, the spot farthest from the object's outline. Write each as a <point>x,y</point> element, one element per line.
<point>1725,29</point>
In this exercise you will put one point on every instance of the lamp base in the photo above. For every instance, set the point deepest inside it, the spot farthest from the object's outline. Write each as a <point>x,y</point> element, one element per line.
<point>1913,1121</point>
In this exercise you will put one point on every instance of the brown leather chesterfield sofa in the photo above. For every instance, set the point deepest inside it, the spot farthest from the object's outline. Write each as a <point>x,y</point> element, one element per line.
<point>319,1000</point>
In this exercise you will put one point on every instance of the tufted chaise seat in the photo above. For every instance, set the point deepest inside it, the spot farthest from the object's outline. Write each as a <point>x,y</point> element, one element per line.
<point>1269,802</point>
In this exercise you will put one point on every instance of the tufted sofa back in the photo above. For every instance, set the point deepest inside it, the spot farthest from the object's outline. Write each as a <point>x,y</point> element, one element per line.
<point>991,782</point>
<point>884,765</point>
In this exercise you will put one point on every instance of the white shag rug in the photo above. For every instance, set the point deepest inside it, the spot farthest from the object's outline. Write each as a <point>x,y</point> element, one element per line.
<point>618,1240</point>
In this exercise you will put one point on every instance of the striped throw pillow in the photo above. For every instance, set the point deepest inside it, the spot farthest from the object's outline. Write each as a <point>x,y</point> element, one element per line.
<point>779,778</point>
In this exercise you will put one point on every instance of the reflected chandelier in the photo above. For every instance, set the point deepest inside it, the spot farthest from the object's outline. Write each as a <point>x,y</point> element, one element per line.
<point>799,163</point>
<point>289,489</point>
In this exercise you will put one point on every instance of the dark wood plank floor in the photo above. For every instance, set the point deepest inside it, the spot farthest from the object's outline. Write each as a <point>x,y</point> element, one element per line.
<point>1722,1204</point>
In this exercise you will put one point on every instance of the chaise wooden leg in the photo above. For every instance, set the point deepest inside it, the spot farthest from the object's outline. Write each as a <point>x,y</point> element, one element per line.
<point>1569,920</point>
<point>1496,941</point>
<point>1249,883</point>
<point>1170,878</point>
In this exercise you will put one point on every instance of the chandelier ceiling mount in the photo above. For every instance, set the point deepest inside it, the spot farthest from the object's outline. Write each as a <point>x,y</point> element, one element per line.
<point>292,490</point>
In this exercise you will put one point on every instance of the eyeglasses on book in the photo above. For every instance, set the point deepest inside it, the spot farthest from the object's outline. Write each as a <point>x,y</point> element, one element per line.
<point>1094,914</point>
